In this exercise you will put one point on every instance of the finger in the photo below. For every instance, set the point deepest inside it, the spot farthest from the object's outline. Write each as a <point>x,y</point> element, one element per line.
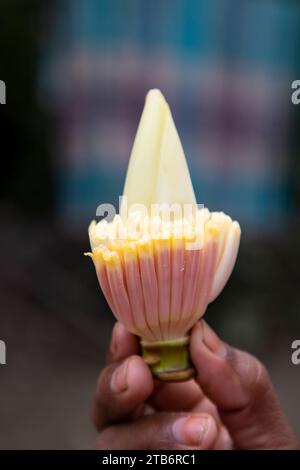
<point>224,441</point>
<point>240,387</point>
<point>162,431</point>
<point>121,390</point>
<point>185,396</point>
<point>207,406</point>
<point>176,396</point>
<point>122,345</point>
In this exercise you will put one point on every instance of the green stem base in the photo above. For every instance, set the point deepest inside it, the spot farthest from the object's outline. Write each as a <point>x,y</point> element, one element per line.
<point>169,360</point>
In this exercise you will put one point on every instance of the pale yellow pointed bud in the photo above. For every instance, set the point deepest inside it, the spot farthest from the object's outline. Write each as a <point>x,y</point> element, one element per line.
<point>157,171</point>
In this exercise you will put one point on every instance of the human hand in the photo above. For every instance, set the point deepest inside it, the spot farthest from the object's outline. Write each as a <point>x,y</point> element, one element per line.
<point>230,404</point>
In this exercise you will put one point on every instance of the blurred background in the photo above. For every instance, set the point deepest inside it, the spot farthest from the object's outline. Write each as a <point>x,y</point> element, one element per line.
<point>76,73</point>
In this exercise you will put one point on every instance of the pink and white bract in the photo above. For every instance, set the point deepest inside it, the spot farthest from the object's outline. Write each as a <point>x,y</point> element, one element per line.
<point>159,286</point>
<point>159,274</point>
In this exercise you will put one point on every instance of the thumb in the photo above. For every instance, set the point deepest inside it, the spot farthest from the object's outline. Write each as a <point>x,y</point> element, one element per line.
<point>240,387</point>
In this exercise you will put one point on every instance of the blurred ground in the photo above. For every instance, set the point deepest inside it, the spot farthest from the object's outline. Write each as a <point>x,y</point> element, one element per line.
<point>56,331</point>
<point>56,327</point>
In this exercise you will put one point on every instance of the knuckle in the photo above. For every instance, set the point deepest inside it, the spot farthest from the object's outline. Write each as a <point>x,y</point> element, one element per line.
<point>253,375</point>
<point>260,383</point>
<point>230,355</point>
<point>103,380</point>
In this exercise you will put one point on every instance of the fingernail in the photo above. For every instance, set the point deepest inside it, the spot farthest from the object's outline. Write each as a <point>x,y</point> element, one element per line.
<point>119,378</point>
<point>192,430</point>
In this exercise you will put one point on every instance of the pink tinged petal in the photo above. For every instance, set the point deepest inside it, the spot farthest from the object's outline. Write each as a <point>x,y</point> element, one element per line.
<point>208,276</point>
<point>191,281</point>
<point>104,284</point>
<point>191,286</point>
<point>198,274</point>
<point>119,294</point>
<point>177,275</point>
<point>227,261</point>
<point>135,294</point>
<point>210,253</point>
<point>163,273</point>
<point>150,289</point>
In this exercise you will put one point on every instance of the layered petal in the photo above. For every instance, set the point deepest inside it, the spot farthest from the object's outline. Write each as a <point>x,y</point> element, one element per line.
<point>160,285</point>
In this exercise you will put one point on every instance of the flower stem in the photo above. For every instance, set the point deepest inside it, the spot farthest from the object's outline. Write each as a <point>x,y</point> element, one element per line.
<point>169,360</point>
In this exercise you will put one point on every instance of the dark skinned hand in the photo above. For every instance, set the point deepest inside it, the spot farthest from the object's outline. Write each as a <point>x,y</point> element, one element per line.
<point>231,404</point>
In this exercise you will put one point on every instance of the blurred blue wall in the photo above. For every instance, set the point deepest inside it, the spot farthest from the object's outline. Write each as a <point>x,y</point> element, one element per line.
<point>225,66</point>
